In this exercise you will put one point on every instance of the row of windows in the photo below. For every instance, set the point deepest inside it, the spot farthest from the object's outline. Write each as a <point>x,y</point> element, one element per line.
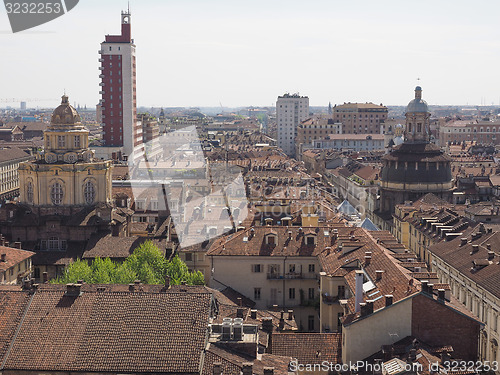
<point>257,268</point>
<point>257,294</point>
<point>57,193</point>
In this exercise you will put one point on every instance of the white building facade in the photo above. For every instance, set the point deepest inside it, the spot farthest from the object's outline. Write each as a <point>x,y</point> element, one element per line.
<point>291,110</point>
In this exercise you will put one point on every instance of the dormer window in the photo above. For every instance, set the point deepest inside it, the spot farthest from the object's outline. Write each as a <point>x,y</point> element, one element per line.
<point>310,240</point>
<point>271,239</point>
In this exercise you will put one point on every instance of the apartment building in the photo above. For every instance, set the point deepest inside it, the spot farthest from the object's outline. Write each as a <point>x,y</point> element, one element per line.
<point>15,264</point>
<point>370,286</point>
<point>484,132</point>
<point>10,158</point>
<point>360,118</point>
<point>316,127</point>
<point>274,265</point>
<point>291,110</point>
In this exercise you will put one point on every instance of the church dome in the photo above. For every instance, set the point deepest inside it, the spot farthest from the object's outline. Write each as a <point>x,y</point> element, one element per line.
<point>65,114</point>
<point>417,105</point>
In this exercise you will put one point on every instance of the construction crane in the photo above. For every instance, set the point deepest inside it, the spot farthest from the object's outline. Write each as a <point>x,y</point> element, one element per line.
<point>13,100</point>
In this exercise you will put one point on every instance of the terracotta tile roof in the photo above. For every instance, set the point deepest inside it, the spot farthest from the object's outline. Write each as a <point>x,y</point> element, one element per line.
<point>12,307</point>
<point>111,332</point>
<point>108,246</point>
<point>232,362</point>
<point>13,257</point>
<point>308,348</point>
<point>462,258</point>
<point>245,243</point>
<point>394,280</point>
<point>12,153</point>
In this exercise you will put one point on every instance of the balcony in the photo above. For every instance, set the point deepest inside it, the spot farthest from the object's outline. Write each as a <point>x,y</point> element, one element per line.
<point>101,68</point>
<point>101,60</point>
<point>291,276</point>
<point>101,84</point>
<point>101,93</point>
<point>99,52</point>
<point>101,76</point>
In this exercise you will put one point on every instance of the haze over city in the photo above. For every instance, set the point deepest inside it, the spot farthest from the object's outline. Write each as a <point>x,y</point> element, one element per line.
<point>235,53</point>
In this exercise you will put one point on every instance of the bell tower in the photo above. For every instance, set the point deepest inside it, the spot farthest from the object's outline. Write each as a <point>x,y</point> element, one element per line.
<point>417,127</point>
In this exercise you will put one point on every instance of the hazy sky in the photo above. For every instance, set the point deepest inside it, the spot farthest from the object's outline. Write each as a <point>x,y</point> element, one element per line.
<point>235,52</point>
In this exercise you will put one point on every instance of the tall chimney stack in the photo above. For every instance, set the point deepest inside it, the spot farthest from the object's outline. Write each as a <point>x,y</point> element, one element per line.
<point>359,290</point>
<point>247,368</point>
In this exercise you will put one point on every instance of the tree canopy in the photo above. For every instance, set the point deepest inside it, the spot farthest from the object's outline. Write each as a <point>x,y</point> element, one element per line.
<point>146,263</point>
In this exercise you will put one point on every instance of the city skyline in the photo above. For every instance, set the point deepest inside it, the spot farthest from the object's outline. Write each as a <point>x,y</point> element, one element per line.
<point>331,52</point>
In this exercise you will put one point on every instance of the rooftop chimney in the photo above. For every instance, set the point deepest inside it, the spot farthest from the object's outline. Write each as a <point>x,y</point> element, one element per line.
<point>281,325</point>
<point>290,314</point>
<point>475,248</point>
<point>441,294</point>
<point>267,324</point>
<point>379,274</point>
<point>368,260</point>
<point>131,287</point>
<point>17,245</point>
<point>239,313</point>
<point>463,241</point>
<point>268,370</point>
<point>73,290</point>
<point>491,255</point>
<point>359,290</point>
<point>45,277</point>
<point>253,314</point>
<point>430,289</point>
<point>425,288</point>
<point>488,246</point>
<point>240,301</point>
<point>369,307</point>
<point>389,298</point>
<point>217,370</point>
<point>247,368</point>
<point>3,258</point>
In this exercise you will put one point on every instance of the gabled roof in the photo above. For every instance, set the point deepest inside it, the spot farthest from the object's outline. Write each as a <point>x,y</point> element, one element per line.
<point>253,242</point>
<point>13,257</point>
<point>308,348</point>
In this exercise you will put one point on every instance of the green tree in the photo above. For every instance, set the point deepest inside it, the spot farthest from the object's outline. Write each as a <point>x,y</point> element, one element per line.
<point>146,263</point>
<point>78,270</point>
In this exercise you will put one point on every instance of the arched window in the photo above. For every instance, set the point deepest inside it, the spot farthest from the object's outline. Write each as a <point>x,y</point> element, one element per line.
<point>57,193</point>
<point>89,192</point>
<point>29,192</point>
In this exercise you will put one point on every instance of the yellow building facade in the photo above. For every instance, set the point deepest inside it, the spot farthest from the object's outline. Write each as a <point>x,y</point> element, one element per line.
<point>65,174</point>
